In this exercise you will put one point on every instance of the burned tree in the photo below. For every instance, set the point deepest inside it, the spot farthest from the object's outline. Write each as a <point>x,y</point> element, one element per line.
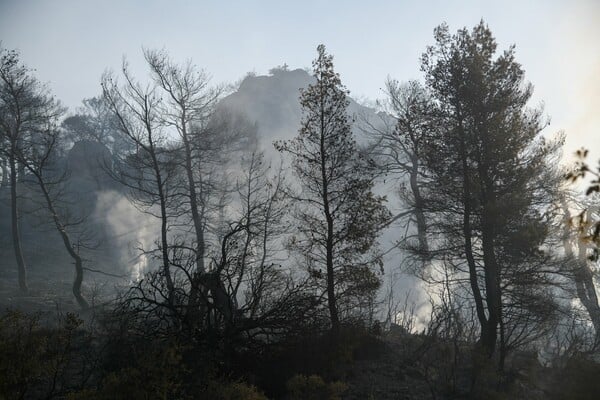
<point>205,138</point>
<point>25,106</point>
<point>149,168</point>
<point>397,148</point>
<point>39,156</point>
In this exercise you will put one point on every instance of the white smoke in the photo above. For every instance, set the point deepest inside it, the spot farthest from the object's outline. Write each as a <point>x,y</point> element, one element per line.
<point>133,230</point>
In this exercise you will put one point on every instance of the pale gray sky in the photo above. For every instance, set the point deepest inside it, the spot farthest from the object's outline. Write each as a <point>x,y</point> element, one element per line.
<point>71,42</point>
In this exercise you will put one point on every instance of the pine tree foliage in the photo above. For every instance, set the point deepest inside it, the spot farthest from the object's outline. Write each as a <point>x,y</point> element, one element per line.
<point>339,215</point>
<point>492,176</point>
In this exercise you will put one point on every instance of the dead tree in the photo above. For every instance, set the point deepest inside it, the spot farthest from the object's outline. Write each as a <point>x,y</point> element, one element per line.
<point>25,104</point>
<point>397,150</point>
<point>149,168</point>
<point>206,138</point>
<point>38,156</point>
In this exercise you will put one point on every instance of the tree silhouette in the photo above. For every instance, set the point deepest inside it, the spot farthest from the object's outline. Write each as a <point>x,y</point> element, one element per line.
<point>338,215</point>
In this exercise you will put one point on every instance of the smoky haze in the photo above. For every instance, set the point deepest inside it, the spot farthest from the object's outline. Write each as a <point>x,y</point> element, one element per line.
<point>299,201</point>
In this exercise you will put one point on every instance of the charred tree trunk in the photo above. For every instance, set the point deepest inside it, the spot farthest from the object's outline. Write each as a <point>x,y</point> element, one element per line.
<point>194,206</point>
<point>488,238</point>
<point>492,286</point>
<point>5,174</point>
<point>67,242</point>
<point>163,228</point>
<point>197,290</point>
<point>419,207</point>
<point>16,234</point>
<point>331,299</point>
<point>468,240</point>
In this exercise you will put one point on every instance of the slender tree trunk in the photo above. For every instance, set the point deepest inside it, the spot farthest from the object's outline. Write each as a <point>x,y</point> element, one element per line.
<point>586,277</point>
<point>503,348</point>
<point>77,283</point>
<point>331,299</point>
<point>4,182</point>
<point>162,199</point>
<point>194,205</point>
<point>16,234</point>
<point>197,290</point>
<point>492,285</point>
<point>582,274</point>
<point>68,245</point>
<point>473,277</point>
<point>468,237</point>
<point>488,235</point>
<point>419,206</point>
<point>164,238</point>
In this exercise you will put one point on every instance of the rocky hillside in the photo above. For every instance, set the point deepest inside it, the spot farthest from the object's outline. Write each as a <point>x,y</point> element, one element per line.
<point>272,103</point>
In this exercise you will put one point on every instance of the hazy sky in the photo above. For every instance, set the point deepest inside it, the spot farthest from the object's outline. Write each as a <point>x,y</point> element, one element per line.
<point>71,42</point>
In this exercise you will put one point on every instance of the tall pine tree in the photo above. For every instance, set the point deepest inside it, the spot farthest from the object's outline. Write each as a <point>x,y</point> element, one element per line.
<point>493,183</point>
<point>337,213</point>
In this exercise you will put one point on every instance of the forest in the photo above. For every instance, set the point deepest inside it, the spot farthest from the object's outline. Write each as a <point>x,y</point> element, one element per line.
<point>274,238</point>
